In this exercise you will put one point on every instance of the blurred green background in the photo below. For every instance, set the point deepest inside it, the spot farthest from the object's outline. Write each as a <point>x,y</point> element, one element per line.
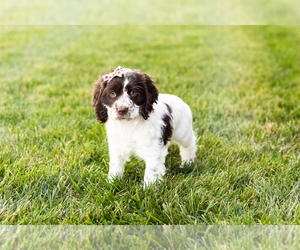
<point>150,237</point>
<point>154,12</point>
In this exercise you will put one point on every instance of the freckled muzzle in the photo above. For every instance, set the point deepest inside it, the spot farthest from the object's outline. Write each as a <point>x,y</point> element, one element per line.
<point>124,108</point>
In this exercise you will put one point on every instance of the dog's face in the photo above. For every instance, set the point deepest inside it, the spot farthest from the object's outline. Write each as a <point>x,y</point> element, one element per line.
<point>125,97</point>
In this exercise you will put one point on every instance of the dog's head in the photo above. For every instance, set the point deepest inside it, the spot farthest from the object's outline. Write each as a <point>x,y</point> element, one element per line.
<point>124,97</point>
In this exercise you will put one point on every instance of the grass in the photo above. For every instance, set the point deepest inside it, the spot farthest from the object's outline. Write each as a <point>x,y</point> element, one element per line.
<point>241,82</point>
<point>155,12</point>
<point>149,237</point>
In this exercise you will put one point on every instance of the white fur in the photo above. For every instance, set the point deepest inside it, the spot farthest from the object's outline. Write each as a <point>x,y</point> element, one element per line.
<point>136,136</point>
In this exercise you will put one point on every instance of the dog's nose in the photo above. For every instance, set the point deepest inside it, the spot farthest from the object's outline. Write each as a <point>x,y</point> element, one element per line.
<point>122,111</point>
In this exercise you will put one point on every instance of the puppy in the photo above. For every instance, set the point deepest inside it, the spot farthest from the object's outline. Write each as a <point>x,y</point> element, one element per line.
<point>141,122</point>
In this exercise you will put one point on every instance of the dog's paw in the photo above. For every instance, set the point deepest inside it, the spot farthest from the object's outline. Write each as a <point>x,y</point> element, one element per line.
<point>111,177</point>
<point>187,163</point>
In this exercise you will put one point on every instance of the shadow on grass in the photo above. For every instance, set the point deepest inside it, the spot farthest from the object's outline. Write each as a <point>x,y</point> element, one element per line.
<point>173,162</point>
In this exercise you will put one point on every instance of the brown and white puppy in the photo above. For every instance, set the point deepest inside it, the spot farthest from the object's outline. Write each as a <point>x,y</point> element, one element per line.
<point>140,122</point>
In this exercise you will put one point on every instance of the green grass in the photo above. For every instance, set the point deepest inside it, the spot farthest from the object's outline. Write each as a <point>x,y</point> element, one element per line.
<point>154,12</point>
<point>150,237</point>
<point>242,84</point>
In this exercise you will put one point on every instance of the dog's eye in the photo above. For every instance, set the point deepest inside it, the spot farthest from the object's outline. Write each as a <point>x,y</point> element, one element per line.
<point>113,94</point>
<point>133,93</point>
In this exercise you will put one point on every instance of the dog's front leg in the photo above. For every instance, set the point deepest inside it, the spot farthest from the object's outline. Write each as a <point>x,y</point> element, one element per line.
<point>116,165</point>
<point>155,170</point>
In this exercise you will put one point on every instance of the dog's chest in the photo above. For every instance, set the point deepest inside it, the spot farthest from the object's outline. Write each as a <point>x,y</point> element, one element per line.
<point>130,137</point>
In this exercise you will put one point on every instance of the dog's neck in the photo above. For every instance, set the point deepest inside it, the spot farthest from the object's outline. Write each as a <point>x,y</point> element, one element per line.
<point>126,122</point>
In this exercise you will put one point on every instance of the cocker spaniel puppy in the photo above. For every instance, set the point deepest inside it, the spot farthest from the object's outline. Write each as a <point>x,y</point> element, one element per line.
<point>141,122</point>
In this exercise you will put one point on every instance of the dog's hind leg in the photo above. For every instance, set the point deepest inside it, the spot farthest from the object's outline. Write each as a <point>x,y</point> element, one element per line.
<point>188,149</point>
<point>188,154</point>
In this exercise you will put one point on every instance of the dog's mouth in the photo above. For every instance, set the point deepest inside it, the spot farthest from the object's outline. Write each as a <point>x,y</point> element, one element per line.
<point>124,117</point>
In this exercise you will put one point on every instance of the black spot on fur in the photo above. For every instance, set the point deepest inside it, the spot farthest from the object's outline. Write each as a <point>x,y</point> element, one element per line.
<point>167,129</point>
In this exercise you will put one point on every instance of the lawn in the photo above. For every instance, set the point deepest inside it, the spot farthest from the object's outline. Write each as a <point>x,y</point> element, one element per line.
<point>116,12</point>
<point>241,82</point>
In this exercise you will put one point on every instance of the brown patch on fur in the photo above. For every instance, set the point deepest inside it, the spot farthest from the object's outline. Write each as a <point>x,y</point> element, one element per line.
<point>137,85</point>
<point>150,96</point>
<point>100,110</point>
<point>116,85</point>
<point>153,94</point>
<point>168,128</point>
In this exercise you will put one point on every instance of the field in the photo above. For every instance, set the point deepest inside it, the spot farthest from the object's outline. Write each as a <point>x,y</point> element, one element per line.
<point>241,82</point>
<point>154,12</point>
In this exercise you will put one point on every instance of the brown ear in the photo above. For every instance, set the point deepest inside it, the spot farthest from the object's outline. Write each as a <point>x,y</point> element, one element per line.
<point>100,110</point>
<point>151,97</point>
